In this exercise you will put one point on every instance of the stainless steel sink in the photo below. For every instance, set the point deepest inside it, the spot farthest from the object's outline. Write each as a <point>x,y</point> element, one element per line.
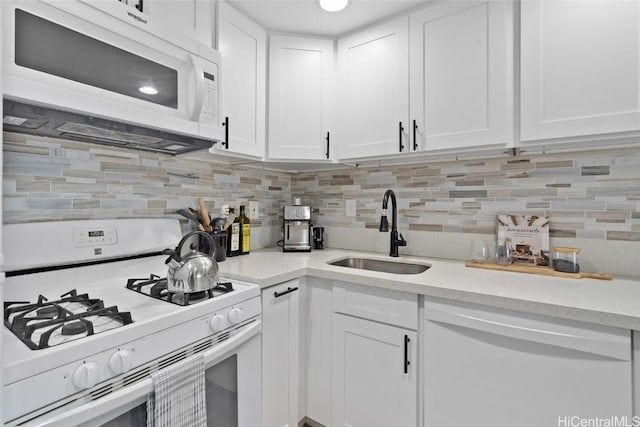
<point>394,267</point>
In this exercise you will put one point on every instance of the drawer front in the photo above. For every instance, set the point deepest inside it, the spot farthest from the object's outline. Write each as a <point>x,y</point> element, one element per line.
<point>377,304</point>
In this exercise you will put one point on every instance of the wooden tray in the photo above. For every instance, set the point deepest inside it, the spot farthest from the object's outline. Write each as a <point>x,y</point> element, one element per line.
<point>535,269</point>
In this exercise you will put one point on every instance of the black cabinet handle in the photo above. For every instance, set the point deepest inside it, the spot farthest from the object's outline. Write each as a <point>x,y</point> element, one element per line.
<point>327,153</point>
<point>139,6</point>
<point>288,236</point>
<point>288,291</point>
<point>225,144</point>
<point>400,129</point>
<point>406,354</point>
<point>415,141</point>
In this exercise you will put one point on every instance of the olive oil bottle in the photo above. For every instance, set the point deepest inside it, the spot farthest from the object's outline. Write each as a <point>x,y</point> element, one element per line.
<point>233,241</point>
<point>245,232</point>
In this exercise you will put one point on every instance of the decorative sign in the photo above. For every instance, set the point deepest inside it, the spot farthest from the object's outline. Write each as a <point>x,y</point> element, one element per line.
<point>526,238</point>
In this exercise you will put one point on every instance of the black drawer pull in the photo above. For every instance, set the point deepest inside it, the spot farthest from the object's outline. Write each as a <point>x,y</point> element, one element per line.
<point>415,141</point>
<point>400,130</point>
<point>288,291</point>
<point>406,354</point>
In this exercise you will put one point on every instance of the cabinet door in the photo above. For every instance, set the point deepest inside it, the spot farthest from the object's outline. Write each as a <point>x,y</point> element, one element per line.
<point>316,334</point>
<point>461,75</point>
<point>373,96</point>
<point>300,98</point>
<point>580,68</point>
<point>374,374</point>
<point>280,355</point>
<point>193,18</point>
<point>242,46</point>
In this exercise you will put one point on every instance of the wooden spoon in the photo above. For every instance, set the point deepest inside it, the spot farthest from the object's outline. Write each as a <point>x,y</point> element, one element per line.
<point>204,214</point>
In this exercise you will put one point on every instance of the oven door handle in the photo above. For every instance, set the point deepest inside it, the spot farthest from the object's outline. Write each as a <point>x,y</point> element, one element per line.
<point>136,394</point>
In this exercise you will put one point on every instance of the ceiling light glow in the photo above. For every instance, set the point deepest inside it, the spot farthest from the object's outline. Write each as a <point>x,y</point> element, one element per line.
<point>333,5</point>
<point>148,90</point>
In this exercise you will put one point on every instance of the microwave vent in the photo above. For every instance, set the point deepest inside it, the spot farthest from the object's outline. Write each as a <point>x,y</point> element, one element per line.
<point>106,134</point>
<point>52,122</point>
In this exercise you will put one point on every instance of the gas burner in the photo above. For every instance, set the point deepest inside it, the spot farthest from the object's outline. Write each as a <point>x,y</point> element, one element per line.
<point>47,323</point>
<point>156,287</point>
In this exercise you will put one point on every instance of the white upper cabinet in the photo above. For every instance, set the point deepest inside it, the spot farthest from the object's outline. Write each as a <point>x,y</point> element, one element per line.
<point>580,68</point>
<point>242,46</point>
<point>193,18</point>
<point>301,98</point>
<point>373,91</point>
<point>461,75</point>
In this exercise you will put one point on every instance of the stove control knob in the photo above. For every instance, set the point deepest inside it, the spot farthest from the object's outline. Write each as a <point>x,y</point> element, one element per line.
<point>217,322</point>
<point>85,375</point>
<point>235,315</point>
<point>120,362</point>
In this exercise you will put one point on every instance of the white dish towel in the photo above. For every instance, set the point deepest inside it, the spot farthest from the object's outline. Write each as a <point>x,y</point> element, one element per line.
<point>179,398</point>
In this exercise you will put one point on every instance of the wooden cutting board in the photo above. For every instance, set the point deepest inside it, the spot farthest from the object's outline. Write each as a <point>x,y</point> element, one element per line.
<point>536,269</point>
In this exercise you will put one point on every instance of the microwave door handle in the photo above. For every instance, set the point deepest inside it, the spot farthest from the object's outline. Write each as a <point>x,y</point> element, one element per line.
<point>198,72</point>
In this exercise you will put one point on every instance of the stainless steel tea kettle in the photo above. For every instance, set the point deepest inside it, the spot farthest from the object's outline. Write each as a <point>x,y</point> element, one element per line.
<point>190,270</point>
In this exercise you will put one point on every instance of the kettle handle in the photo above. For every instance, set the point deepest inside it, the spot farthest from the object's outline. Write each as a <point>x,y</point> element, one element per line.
<point>175,254</point>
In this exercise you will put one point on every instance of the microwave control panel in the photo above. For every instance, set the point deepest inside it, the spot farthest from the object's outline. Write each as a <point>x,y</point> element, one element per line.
<point>209,99</point>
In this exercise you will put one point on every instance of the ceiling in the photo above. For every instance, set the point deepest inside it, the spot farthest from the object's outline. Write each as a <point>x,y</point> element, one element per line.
<point>306,17</point>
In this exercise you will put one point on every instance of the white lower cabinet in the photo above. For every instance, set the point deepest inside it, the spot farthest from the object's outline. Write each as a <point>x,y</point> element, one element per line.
<point>636,372</point>
<point>374,364</point>
<point>315,333</point>
<point>374,374</point>
<point>280,355</point>
<point>488,367</point>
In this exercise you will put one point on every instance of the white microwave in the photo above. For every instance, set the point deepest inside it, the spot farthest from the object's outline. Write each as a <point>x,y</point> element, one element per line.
<point>106,60</point>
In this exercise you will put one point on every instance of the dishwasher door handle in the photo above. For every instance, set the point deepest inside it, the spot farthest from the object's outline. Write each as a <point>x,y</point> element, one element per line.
<point>602,343</point>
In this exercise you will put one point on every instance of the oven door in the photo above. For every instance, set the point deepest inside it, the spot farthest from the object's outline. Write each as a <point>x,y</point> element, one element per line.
<point>83,57</point>
<point>233,387</point>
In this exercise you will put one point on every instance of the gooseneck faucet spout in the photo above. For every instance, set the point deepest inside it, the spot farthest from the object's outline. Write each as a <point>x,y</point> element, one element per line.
<point>396,239</point>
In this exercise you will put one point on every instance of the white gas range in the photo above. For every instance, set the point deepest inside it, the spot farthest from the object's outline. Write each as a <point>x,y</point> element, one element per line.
<point>66,291</point>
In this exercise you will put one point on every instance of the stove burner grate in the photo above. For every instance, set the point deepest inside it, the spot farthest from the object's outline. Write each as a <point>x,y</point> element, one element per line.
<point>47,323</point>
<point>156,287</point>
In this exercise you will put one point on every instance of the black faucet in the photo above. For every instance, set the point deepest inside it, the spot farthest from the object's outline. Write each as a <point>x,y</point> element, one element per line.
<point>396,239</point>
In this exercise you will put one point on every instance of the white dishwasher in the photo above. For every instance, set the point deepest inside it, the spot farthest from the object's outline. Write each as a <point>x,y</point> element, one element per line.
<point>489,367</point>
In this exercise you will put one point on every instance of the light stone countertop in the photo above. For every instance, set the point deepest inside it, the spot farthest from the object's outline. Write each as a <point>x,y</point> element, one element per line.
<point>613,303</point>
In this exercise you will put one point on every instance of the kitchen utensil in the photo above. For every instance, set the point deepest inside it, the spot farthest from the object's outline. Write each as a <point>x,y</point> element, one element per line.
<point>204,214</point>
<point>218,223</point>
<point>190,270</point>
<point>185,213</point>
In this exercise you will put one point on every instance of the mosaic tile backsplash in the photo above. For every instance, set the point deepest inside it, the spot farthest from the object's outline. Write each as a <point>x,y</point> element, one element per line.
<point>47,179</point>
<point>588,195</point>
